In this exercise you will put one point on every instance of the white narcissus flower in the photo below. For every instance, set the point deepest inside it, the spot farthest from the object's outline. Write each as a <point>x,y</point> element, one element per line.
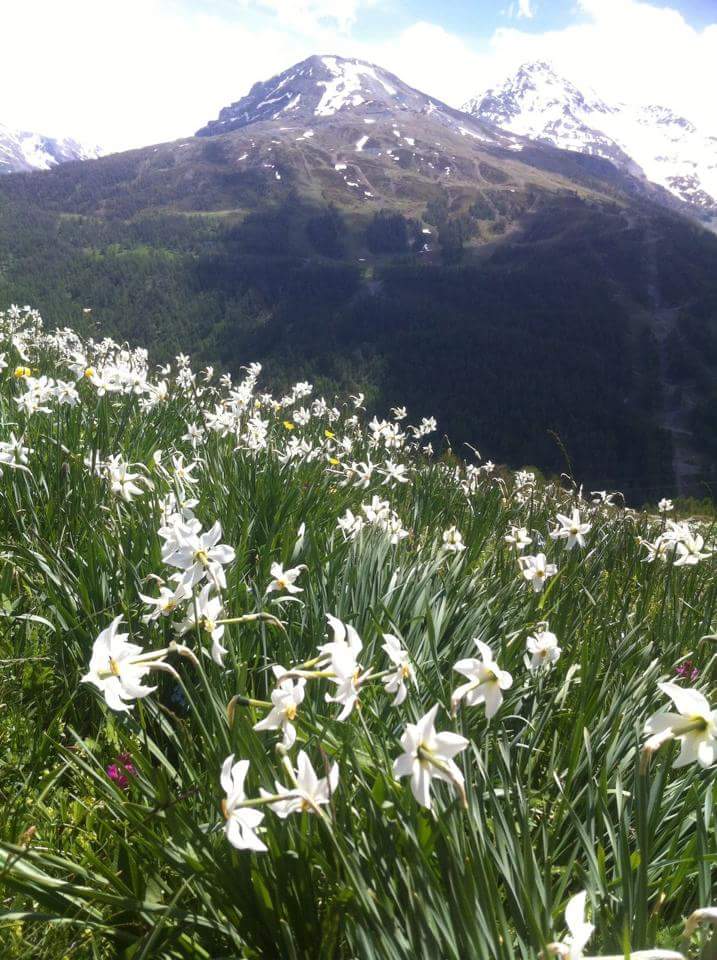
<point>689,551</point>
<point>665,505</point>
<point>309,792</point>
<point>518,538</point>
<point>346,640</point>
<point>346,674</point>
<point>543,648</point>
<point>350,525</point>
<point>122,481</point>
<point>394,472</point>
<point>340,656</point>
<point>203,612</point>
<point>486,681</point>
<point>571,529</point>
<point>166,603</point>
<point>428,754</point>
<point>118,667</point>
<point>240,822</point>
<point>537,570</point>
<point>183,471</point>
<point>285,699</point>
<point>453,540</point>
<point>579,929</point>
<point>395,681</point>
<point>377,510</point>
<point>284,579</point>
<point>694,725</point>
<point>13,453</point>
<point>199,556</point>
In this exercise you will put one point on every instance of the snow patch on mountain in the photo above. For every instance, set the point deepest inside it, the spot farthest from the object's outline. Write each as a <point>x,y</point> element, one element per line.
<point>22,151</point>
<point>327,90</point>
<point>346,85</point>
<point>647,141</point>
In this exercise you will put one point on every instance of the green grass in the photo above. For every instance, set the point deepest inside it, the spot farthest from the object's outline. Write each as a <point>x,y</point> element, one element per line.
<point>556,800</point>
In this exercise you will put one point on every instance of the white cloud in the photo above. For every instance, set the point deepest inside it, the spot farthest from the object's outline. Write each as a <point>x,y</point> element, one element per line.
<point>522,10</point>
<point>430,58</point>
<point>525,10</point>
<point>627,50</point>
<point>306,15</point>
<point>132,72</point>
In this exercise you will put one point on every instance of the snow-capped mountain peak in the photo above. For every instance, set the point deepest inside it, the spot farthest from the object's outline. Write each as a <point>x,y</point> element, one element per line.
<point>319,86</point>
<point>650,141</point>
<point>535,86</point>
<point>21,151</point>
<point>324,89</point>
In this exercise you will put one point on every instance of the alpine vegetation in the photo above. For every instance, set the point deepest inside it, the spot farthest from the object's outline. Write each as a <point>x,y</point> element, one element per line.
<point>281,681</point>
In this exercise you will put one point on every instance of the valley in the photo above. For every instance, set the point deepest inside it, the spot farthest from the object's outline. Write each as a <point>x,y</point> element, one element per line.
<point>378,246</point>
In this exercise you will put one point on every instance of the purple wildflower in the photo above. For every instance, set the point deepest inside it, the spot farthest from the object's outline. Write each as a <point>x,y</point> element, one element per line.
<point>121,770</point>
<point>687,670</point>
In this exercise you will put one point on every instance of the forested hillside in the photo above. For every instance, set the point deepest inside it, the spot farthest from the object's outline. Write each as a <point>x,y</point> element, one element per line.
<point>515,295</point>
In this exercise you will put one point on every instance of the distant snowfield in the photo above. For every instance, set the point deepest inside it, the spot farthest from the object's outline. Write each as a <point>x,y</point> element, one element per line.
<point>345,88</point>
<point>22,151</point>
<point>650,140</point>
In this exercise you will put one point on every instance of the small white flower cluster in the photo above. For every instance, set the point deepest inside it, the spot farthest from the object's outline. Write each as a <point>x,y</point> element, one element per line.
<point>387,434</point>
<point>524,486</point>
<point>473,476</point>
<point>199,559</point>
<point>453,540</point>
<point>378,514</point>
<point>678,543</point>
<point>41,391</point>
<point>123,481</point>
<point>192,594</point>
<point>13,453</point>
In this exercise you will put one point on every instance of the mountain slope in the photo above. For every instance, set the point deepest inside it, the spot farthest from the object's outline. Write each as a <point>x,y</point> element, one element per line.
<point>649,141</point>
<point>322,88</point>
<point>21,151</point>
<point>502,284</point>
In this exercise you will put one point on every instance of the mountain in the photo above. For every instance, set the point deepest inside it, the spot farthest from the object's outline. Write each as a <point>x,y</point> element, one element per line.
<point>545,305</point>
<point>21,151</point>
<point>322,88</point>
<point>645,141</point>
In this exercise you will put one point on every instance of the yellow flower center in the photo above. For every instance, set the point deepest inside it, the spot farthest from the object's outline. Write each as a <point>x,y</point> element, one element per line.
<point>291,711</point>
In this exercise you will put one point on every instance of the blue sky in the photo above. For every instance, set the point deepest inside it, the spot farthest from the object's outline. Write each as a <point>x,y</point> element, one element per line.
<point>126,73</point>
<point>475,20</point>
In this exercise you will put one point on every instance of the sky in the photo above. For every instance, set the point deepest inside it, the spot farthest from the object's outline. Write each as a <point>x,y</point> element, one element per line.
<point>127,73</point>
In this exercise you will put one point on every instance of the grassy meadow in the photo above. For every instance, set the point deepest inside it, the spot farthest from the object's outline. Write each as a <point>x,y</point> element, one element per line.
<point>184,557</point>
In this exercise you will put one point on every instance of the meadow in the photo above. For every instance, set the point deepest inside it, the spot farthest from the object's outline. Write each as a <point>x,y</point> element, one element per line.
<point>278,680</point>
